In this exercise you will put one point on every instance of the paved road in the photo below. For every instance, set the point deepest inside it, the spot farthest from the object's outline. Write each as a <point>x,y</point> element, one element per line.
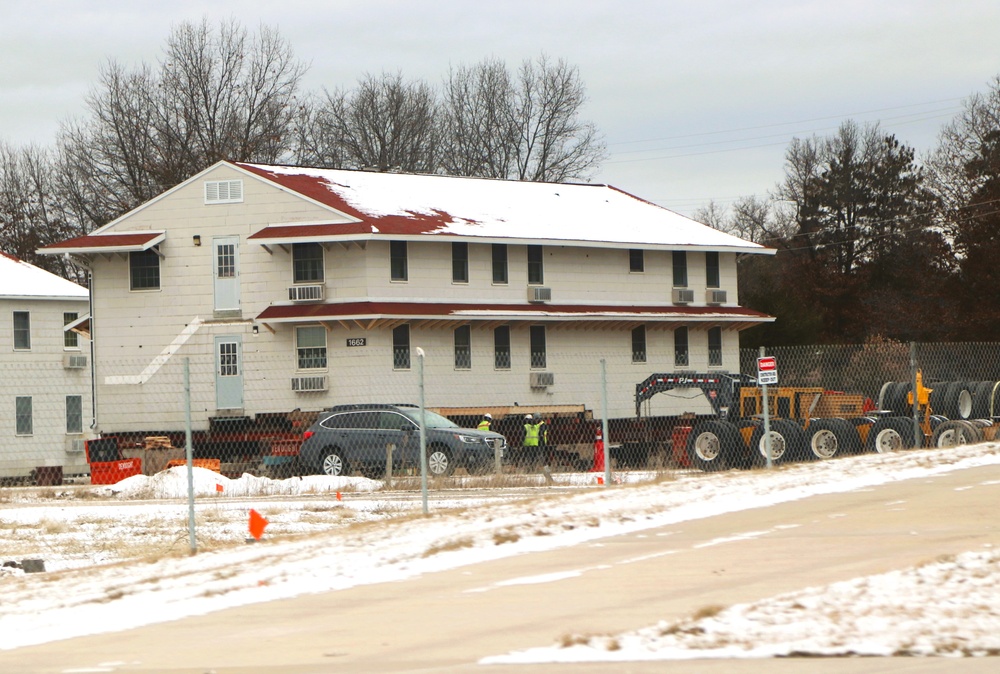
<point>446,622</point>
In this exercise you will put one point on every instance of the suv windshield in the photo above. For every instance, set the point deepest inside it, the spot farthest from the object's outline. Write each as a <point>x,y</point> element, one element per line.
<point>433,420</point>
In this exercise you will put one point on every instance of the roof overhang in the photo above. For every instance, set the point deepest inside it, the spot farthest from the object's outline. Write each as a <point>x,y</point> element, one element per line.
<point>385,315</point>
<point>92,244</point>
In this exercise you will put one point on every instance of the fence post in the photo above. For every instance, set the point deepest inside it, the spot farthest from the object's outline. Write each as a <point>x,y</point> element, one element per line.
<point>423,430</point>
<point>918,435</point>
<point>604,423</point>
<point>189,454</point>
<point>767,421</point>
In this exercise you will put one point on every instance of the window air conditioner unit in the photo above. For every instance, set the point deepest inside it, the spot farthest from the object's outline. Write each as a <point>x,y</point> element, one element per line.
<point>74,361</point>
<point>683,296</point>
<point>307,384</point>
<point>542,379</point>
<point>76,445</point>
<point>310,293</point>
<point>536,294</point>
<point>715,296</point>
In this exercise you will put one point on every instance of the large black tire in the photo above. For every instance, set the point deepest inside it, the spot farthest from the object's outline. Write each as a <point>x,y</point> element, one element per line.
<point>788,442</point>
<point>891,434</point>
<point>896,397</point>
<point>981,392</point>
<point>995,400</point>
<point>334,464</point>
<point>957,401</point>
<point>714,445</point>
<point>830,438</point>
<point>439,462</point>
<point>952,434</point>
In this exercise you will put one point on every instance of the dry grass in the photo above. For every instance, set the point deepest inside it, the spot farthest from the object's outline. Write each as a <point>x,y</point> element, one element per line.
<point>456,544</point>
<point>501,537</point>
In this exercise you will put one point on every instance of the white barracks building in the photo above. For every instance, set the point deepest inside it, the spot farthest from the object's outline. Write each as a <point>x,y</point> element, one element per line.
<point>302,285</point>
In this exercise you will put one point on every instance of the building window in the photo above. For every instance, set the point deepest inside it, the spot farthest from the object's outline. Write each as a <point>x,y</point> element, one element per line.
<point>307,262</point>
<point>463,347</point>
<point>397,260</point>
<point>74,414</point>
<point>680,269</point>
<point>225,260</point>
<point>537,346</point>
<point>229,359</point>
<point>681,347</point>
<point>500,263</point>
<point>536,275</point>
<point>401,348</point>
<point>460,262</point>
<point>223,191</point>
<point>636,260</point>
<point>310,347</point>
<point>639,344</point>
<point>712,269</point>
<point>715,347</point>
<point>144,270</point>
<point>22,415</point>
<point>71,340</point>
<point>501,347</point>
<point>22,331</point>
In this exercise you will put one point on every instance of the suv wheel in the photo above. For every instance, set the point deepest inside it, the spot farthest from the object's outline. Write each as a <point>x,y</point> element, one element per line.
<point>439,462</point>
<point>334,463</point>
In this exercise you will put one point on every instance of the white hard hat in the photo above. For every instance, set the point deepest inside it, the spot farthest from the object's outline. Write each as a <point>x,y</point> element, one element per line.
<point>487,416</point>
<point>527,416</point>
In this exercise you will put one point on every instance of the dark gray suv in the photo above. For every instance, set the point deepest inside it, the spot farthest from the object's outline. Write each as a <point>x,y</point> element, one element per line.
<point>346,438</point>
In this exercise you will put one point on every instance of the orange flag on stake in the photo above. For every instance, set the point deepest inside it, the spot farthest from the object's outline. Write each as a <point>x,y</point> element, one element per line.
<point>257,524</point>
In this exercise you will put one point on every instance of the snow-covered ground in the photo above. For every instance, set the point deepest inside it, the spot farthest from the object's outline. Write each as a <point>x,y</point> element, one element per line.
<point>118,556</point>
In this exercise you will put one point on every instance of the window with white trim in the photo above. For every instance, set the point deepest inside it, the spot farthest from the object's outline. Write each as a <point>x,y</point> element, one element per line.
<point>71,340</point>
<point>223,191</point>
<point>310,347</point>
<point>144,270</point>
<point>22,331</point>
<point>463,347</point>
<point>74,414</point>
<point>307,263</point>
<point>715,347</point>
<point>681,354</point>
<point>22,415</point>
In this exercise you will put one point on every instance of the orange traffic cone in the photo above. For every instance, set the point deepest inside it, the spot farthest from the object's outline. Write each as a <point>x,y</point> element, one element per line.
<point>598,453</point>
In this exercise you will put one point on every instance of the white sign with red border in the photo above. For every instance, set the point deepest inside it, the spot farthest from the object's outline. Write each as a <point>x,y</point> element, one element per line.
<point>767,371</point>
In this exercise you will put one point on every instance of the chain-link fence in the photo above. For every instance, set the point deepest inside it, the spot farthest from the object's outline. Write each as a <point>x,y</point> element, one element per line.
<point>254,414</point>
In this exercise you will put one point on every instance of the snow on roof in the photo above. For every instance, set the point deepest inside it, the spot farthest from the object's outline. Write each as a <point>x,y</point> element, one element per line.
<point>400,204</point>
<point>19,279</point>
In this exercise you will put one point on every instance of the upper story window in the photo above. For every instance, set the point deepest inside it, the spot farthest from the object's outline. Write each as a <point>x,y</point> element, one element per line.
<point>501,347</point>
<point>460,262</point>
<point>310,347</point>
<point>639,344</point>
<point>71,340</point>
<point>22,331</point>
<point>715,347</point>
<point>307,262</point>
<point>463,347</point>
<point>144,270</point>
<point>636,260</point>
<point>712,277</point>
<point>397,261</point>
<point>536,275</point>
<point>401,347</point>
<point>223,191</point>
<point>500,263</point>
<point>680,269</point>
<point>681,355</point>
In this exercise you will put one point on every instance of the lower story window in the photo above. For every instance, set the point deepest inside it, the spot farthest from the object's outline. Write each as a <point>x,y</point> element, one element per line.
<point>463,347</point>
<point>715,346</point>
<point>310,347</point>
<point>401,347</point>
<point>74,414</point>
<point>639,344</point>
<point>538,346</point>
<point>501,347</point>
<point>681,347</point>
<point>22,415</point>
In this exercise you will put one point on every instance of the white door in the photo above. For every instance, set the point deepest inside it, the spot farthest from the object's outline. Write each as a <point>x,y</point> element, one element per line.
<point>227,273</point>
<point>228,372</point>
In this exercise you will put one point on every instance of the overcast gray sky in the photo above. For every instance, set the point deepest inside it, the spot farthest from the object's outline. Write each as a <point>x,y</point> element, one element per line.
<point>696,100</point>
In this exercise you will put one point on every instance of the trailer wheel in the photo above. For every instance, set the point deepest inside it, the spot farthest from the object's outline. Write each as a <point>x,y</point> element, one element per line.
<point>788,442</point>
<point>975,428</point>
<point>713,445</point>
<point>951,434</point>
<point>828,438</point>
<point>334,463</point>
<point>891,434</point>
<point>957,401</point>
<point>981,391</point>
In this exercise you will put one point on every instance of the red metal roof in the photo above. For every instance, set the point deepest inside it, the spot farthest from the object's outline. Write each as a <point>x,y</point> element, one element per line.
<point>106,242</point>
<point>430,310</point>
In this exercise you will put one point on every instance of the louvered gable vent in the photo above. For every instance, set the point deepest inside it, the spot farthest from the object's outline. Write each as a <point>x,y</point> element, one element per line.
<point>223,191</point>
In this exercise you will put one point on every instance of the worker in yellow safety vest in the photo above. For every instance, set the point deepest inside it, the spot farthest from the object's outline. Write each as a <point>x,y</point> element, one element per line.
<point>535,437</point>
<point>484,425</point>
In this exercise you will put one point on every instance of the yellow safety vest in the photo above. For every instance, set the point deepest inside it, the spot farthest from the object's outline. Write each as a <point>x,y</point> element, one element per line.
<point>531,434</point>
<point>484,425</point>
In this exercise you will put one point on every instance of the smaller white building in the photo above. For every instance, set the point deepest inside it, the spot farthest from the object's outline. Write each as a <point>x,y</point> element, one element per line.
<point>45,401</point>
